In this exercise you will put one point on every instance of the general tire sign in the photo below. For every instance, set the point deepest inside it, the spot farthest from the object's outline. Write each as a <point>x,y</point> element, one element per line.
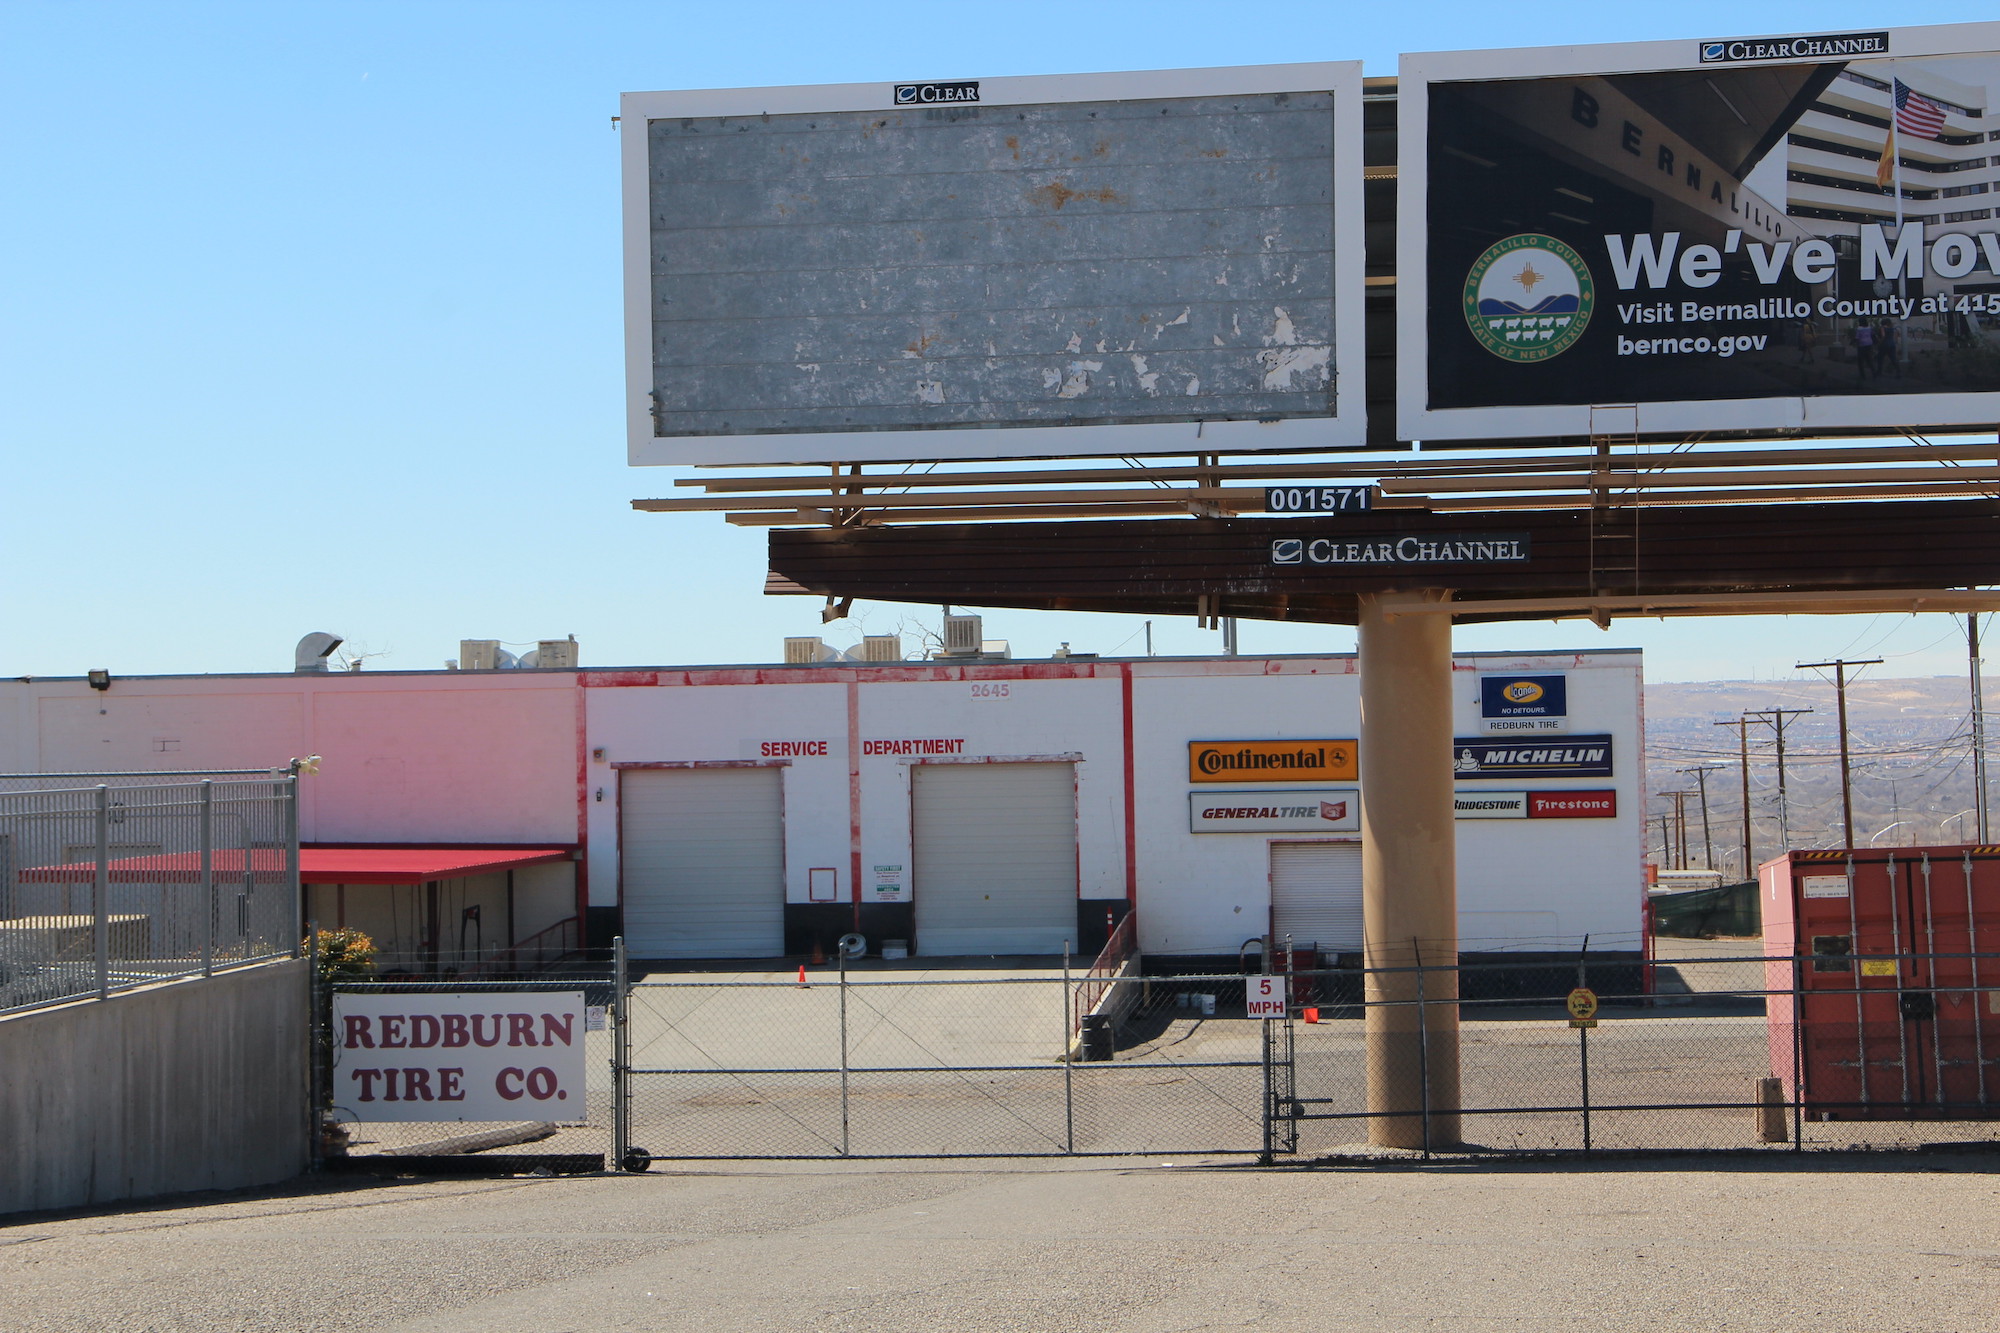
<point>1325,810</point>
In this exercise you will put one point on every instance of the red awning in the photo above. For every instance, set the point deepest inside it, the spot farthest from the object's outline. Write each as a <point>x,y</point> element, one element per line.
<point>414,865</point>
<point>317,865</point>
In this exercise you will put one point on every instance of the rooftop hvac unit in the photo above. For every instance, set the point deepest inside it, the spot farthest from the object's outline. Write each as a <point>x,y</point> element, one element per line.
<point>311,654</point>
<point>999,648</point>
<point>882,648</point>
<point>806,650</point>
<point>556,652</point>
<point>961,636</point>
<point>478,654</point>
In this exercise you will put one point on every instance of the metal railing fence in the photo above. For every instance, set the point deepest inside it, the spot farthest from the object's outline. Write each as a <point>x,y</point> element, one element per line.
<point>105,887</point>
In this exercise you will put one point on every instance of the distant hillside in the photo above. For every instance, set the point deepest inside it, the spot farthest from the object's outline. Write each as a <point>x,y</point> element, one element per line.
<point>1910,743</point>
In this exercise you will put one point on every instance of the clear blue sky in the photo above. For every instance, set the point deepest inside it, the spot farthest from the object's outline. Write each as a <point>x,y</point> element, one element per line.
<point>311,320</point>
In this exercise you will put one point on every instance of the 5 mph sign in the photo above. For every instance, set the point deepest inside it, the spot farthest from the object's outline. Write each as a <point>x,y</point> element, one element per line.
<point>1265,997</point>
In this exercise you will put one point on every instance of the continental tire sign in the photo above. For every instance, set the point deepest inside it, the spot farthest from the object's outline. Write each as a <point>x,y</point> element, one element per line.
<point>1272,761</point>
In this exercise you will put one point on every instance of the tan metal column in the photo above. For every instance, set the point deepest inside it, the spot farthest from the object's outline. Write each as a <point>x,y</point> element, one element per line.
<point>1409,893</point>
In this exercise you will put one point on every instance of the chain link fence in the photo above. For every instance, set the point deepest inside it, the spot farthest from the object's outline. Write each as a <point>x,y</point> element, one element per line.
<point>1704,1054</point>
<point>104,887</point>
<point>878,1064</point>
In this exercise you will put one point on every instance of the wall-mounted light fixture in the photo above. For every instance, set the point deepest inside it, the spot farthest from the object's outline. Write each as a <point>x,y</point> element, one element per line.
<point>100,679</point>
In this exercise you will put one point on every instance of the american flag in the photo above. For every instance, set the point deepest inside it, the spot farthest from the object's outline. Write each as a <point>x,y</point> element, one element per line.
<point>1917,115</point>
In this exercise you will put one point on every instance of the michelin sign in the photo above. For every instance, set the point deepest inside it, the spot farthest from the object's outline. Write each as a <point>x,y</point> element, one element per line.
<point>1739,234</point>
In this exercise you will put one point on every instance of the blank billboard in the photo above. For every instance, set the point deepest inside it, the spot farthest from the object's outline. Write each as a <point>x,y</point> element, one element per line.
<point>1027,267</point>
<point>1793,233</point>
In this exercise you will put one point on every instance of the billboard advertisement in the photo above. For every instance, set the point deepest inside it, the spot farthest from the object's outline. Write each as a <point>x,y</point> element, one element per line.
<point>992,268</point>
<point>1790,233</point>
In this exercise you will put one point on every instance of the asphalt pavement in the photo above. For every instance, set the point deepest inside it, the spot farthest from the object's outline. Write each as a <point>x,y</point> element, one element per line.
<point>1882,1242</point>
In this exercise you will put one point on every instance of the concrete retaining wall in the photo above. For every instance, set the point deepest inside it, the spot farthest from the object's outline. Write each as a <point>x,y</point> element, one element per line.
<point>189,1085</point>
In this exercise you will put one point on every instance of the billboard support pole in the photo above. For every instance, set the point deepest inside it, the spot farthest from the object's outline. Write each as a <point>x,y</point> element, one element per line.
<point>1409,895</point>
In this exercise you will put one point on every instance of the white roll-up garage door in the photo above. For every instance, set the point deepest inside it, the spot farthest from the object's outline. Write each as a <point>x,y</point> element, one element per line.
<point>1316,895</point>
<point>995,868</point>
<point>703,856</point>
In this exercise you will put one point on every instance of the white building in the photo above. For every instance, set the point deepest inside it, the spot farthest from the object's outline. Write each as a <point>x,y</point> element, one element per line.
<point>984,807</point>
<point>1833,157</point>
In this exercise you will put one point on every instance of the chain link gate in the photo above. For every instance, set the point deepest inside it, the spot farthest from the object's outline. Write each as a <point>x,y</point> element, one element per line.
<point>883,1065</point>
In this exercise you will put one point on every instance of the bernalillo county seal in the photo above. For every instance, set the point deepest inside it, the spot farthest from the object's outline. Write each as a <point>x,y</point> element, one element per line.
<point>1528,298</point>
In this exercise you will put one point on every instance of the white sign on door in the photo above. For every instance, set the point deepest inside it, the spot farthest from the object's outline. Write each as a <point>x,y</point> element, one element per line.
<point>1264,997</point>
<point>890,886</point>
<point>459,1055</point>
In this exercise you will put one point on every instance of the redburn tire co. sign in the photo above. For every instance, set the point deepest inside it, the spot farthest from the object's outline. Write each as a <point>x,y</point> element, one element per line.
<point>459,1055</point>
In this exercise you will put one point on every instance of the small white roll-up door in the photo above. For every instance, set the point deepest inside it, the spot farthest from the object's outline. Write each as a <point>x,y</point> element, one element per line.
<point>1316,895</point>
<point>703,859</point>
<point>995,869</point>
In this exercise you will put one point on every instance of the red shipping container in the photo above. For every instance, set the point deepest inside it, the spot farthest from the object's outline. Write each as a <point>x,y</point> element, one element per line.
<point>1882,945</point>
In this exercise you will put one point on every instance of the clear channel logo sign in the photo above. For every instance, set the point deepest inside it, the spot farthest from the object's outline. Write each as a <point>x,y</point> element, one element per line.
<point>1528,298</point>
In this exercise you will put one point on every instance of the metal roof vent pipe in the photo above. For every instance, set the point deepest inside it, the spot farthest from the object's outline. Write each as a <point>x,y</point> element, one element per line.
<point>310,656</point>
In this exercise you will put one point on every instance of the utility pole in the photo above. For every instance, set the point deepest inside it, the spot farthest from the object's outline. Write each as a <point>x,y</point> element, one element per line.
<point>1840,666</point>
<point>1777,719</point>
<point>1701,773</point>
<point>1679,798</point>
<point>1666,843</point>
<point>1978,725</point>
<point>1742,725</point>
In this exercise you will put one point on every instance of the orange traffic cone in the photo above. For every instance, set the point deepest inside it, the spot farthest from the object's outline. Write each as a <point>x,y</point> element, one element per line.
<point>803,983</point>
<point>1310,1015</point>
